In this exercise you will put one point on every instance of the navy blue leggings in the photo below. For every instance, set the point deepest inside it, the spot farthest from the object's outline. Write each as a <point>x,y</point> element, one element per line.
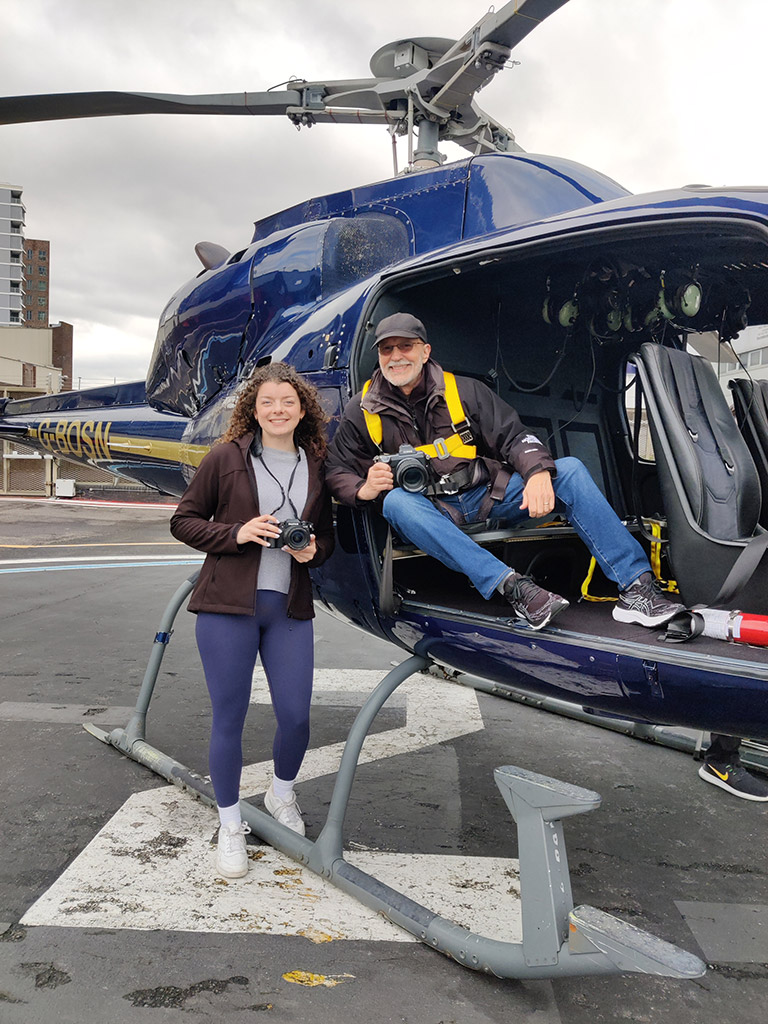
<point>228,646</point>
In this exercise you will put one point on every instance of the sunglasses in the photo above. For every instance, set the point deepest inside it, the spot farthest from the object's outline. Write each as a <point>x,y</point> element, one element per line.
<point>386,348</point>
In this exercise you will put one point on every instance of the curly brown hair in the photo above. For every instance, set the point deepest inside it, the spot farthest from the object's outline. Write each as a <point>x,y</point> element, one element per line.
<point>310,432</point>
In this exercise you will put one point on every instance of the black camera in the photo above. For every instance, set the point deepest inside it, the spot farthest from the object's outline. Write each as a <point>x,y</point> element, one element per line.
<point>410,468</point>
<point>294,533</point>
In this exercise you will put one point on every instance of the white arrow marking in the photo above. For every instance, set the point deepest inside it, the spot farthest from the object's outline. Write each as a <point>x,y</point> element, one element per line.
<point>151,866</point>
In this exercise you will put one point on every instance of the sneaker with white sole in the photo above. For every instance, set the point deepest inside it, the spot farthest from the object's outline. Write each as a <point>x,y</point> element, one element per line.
<point>231,855</point>
<point>644,604</point>
<point>530,602</point>
<point>734,778</point>
<point>287,812</point>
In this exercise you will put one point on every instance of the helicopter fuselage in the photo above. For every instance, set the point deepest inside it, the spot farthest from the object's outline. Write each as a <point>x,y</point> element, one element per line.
<point>514,263</point>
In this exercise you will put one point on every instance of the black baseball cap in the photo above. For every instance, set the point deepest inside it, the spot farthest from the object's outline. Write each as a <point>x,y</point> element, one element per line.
<point>400,325</point>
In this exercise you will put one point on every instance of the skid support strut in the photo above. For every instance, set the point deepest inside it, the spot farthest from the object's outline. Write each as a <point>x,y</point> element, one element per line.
<point>558,939</point>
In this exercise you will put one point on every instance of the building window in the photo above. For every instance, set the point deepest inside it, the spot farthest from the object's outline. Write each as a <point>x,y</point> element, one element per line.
<point>30,254</point>
<point>41,302</point>
<point>30,270</point>
<point>29,314</point>
<point>42,254</point>
<point>15,319</point>
<point>40,316</point>
<point>754,358</point>
<point>42,285</point>
<point>42,271</point>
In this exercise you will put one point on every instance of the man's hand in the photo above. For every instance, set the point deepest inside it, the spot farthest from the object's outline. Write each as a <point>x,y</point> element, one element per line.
<point>257,530</point>
<point>539,495</point>
<point>379,479</point>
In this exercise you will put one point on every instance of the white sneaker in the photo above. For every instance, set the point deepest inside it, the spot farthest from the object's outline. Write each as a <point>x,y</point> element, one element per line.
<point>287,812</point>
<point>231,857</point>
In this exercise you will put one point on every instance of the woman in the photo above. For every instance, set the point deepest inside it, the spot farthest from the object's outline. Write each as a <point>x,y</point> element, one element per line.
<point>253,598</point>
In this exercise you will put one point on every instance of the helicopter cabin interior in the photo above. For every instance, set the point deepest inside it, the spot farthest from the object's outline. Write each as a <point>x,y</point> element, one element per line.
<point>553,330</point>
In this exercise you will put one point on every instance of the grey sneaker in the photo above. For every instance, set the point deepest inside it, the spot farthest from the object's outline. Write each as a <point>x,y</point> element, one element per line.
<point>231,856</point>
<point>734,778</point>
<point>645,604</point>
<point>534,604</point>
<point>287,812</point>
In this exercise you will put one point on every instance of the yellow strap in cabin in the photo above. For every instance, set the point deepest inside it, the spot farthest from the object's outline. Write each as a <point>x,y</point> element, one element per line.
<point>585,585</point>
<point>669,585</point>
<point>453,445</point>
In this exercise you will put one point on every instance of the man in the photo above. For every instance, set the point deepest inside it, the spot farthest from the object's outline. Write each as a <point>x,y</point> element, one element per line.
<point>487,464</point>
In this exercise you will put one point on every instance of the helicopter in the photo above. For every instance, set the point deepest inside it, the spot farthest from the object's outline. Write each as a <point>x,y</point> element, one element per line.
<point>538,275</point>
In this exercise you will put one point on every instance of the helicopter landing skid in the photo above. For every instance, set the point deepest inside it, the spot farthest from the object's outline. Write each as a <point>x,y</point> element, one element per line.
<point>558,939</point>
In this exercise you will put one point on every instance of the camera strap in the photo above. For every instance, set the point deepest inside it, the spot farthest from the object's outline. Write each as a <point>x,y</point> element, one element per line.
<point>284,492</point>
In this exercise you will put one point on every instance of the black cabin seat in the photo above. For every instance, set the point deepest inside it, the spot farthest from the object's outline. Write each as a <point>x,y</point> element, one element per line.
<point>750,404</point>
<point>708,480</point>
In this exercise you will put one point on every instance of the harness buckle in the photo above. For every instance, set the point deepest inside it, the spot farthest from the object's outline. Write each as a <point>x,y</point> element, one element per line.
<point>464,431</point>
<point>441,447</point>
<point>446,485</point>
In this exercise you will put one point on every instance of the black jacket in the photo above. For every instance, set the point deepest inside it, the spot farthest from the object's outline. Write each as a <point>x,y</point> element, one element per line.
<point>420,418</point>
<point>220,498</point>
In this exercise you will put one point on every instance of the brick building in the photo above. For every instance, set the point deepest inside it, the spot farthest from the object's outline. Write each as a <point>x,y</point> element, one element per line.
<point>36,263</point>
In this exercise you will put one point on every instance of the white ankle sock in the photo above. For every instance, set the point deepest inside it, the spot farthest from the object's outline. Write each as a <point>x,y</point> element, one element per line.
<point>230,815</point>
<point>281,788</point>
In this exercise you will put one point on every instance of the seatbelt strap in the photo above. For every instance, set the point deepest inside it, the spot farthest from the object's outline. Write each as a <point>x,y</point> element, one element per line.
<point>389,602</point>
<point>742,569</point>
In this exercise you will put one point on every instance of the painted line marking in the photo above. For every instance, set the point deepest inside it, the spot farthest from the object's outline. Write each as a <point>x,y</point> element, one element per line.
<point>87,502</point>
<point>90,558</point>
<point>100,544</point>
<point>112,564</point>
<point>152,865</point>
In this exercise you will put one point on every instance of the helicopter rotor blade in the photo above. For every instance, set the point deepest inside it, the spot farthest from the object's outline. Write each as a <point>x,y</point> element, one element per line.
<point>483,51</point>
<point>55,107</point>
<point>436,78</point>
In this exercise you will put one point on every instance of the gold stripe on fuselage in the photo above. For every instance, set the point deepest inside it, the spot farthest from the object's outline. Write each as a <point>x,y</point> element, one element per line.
<point>94,440</point>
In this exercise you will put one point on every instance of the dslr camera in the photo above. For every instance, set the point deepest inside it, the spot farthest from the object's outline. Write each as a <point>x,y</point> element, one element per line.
<point>294,533</point>
<point>410,468</point>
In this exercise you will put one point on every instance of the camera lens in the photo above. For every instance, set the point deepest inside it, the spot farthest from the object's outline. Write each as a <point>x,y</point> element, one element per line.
<point>298,539</point>
<point>412,476</point>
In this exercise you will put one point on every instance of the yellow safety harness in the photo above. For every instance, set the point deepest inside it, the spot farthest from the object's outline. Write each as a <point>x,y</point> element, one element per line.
<point>458,445</point>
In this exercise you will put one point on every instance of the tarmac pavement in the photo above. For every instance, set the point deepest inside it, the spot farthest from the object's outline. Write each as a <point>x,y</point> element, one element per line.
<point>109,907</point>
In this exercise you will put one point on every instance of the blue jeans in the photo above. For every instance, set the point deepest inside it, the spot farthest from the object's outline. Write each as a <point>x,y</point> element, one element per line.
<point>576,496</point>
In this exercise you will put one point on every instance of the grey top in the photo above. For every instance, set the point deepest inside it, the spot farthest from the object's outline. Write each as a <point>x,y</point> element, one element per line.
<point>283,498</point>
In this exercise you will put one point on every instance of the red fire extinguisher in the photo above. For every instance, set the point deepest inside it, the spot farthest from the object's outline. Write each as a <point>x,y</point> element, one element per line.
<point>734,626</point>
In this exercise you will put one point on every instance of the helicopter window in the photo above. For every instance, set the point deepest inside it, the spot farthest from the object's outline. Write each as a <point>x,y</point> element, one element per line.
<point>353,249</point>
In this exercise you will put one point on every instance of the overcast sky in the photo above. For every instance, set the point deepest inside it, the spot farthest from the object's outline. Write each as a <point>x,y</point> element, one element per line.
<point>655,93</point>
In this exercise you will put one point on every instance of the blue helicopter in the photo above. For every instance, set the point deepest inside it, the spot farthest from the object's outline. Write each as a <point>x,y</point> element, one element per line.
<point>578,302</point>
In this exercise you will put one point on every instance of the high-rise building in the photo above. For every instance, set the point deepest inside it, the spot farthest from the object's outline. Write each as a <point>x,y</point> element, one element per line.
<point>37,270</point>
<point>11,255</point>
